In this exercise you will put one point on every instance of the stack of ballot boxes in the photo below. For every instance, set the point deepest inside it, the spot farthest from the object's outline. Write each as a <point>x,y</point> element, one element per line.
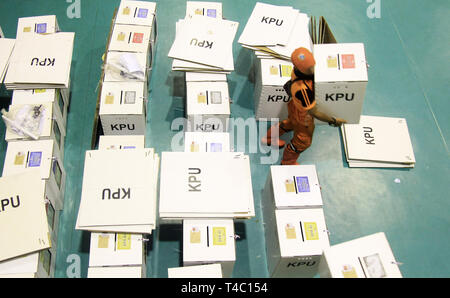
<point>294,222</point>
<point>365,257</point>
<point>118,242</point>
<point>270,97</point>
<point>340,79</point>
<point>41,149</point>
<point>128,62</point>
<point>217,192</point>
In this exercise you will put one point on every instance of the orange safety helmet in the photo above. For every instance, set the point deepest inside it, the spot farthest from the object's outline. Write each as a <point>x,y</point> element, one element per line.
<point>303,59</point>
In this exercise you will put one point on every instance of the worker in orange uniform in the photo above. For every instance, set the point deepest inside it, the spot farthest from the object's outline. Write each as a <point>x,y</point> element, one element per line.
<point>302,110</point>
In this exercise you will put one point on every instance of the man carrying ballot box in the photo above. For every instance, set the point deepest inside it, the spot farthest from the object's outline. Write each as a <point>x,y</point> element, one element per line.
<point>302,110</point>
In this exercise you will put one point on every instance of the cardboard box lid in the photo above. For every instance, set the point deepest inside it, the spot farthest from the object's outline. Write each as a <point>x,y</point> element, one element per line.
<point>121,142</point>
<point>275,72</point>
<point>376,138</point>
<point>206,183</point>
<point>116,249</point>
<point>122,98</point>
<point>41,59</point>
<point>340,62</point>
<point>206,240</point>
<point>197,271</point>
<point>136,13</point>
<point>301,232</point>
<point>122,184</point>
<point>296,186</point>
<point>115,272</point>
<point>23,219</point>
<point>368,256</point>
<point>207,98</point>
<point>36,25</point>
<point>269,25</point>
<point>204,40</point>
<point>209,9</point>
<point>207,142</point>
<point>24,155</point>
<point>130,38</point>
<point>33,95</point>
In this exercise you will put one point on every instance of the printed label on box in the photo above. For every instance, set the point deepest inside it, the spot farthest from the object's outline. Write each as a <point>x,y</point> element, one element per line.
<point>311,232</point>
<point>348,271</point>
<point>41,28</point>
<point>332,62</point>
<point>290,231</point>
<point>130,97</point>
<point>194,147</point>
<point>348,61</point>
<point>201,97</point>
<point>286,70</point>
<point>216,147</point>
<point>126,11</point>
<point>195,235</point>
<point>109,100</point>
<point>374,266</point>
<point>219,236</point>
<point>123,241</point>
<point>35,159</point>
<point>216,97</point>
<point>138,37</point>
<point>19,159</point>
<point>26,29</point>
<point>302,184</point>
<point>142,13</point>
<point>211,13</point>
<point>289,184</point>
<point>103,241</point>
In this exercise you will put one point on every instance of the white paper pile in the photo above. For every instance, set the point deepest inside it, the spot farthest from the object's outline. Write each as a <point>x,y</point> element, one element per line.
<point>276,31</point>
<point>203,44</point>
<point>41,61</point>
<point>380,142</point>
<point>119,191</point>
<point>6,49</point>
<point>205,185</point>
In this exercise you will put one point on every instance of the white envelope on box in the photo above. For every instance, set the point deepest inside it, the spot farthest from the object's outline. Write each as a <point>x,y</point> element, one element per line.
<point>269,25</point>
<point>23,219</point>
<point>41,60</point>
<point>205,41</point>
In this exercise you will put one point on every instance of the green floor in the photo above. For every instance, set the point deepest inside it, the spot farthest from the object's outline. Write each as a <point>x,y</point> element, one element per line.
<point>408,52</point>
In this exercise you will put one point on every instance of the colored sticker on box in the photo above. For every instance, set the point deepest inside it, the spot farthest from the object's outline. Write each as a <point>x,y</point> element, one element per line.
<point>216,147</point>
<point>286,70</point>
<point>142,13</point>
<point>103,241</point>
<point>19,159</point>
<point>130,97</point>
<point>348,271</point>
<point>290,231</point>
<point>302,184</point>
<point>211,13</point>
<point>35,159</point>
<point>348,61</point>
<point>311,232</point>
<point>123,241</point>
<point>219,236</point>
<point>138,37</point>
<point>195,235</point>
<point>289,185</point>
<point>41,28</point>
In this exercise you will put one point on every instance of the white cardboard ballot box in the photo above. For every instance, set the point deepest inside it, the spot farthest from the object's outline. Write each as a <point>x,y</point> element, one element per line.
<point>295,186</point>
<point>141,13</point>
<point>51,126</point>
<point>207,241</point>
<point>295,240</point>
<point>207,185</point>
<point>121,142</point>
<point>116,249</point>
<point>32,96</point>
<point>207,142</point>
<point>130,38</point>
<point>37,265</point>
<point>37,25</point>
<point>192,76</point>
<point>270,97</point>
<point>366,257</point>
<point>209,9</point>
<point>123,108</point>
<point>121,183</point>
<point>23,222</point>
<point>340,79</point>
<point>116,272</point>
<point>207,106</point>
<point>44,156</point>
<point>196,271</point>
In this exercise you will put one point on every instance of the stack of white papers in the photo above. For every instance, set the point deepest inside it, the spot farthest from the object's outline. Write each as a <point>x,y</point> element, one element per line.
<point>119,191</point>
<point>6,49</point>
<point>276,31</point>
<point>380,142</point>
<point>203,44</point>
<point>41,61</point>
<point>205,185</point>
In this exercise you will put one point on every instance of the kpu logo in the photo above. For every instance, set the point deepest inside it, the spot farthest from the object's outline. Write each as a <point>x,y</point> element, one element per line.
<point>9,202</point>
<point>194,182</point>
<point>269,21</point>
